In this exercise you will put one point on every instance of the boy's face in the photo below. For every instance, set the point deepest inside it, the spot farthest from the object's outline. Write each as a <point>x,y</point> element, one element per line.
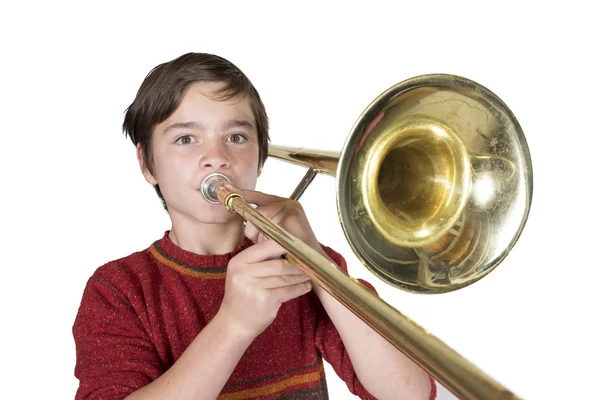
<point>203,136</point>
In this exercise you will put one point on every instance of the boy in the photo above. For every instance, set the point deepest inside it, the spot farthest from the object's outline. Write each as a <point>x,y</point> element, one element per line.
<point>210,311</point>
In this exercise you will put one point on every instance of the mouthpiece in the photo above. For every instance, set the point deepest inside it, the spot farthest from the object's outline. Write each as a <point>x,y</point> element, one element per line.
<point>210,185</point>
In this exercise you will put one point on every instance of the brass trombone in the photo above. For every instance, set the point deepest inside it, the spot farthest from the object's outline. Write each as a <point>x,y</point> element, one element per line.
<point>434,186</point>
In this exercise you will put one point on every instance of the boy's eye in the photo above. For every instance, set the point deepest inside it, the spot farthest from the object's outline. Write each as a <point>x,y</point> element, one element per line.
<point>184,140</point>
<point>237,138</point>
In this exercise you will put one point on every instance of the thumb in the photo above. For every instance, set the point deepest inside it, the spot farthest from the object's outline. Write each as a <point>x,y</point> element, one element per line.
<point>252,233</point>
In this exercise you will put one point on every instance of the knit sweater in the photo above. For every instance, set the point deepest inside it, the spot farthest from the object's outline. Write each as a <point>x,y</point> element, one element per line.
<point>138,314</point>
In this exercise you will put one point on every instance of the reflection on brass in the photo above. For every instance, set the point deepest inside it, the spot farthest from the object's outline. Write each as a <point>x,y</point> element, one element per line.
<point>434,186</point>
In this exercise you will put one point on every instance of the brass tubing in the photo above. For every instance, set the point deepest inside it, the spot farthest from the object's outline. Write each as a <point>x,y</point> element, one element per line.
<point>304,183</point>
<point>324,162</point>
<point>444,364</point>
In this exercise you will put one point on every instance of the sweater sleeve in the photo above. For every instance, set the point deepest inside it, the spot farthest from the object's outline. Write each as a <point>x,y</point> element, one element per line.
<point>330,344</point>
<point>115,355</point>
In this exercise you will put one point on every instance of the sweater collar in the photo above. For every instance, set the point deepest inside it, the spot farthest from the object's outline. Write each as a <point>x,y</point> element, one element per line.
<point>175,254</point>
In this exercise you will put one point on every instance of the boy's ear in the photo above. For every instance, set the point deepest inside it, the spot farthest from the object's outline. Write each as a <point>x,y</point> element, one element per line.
<point>149,177</point>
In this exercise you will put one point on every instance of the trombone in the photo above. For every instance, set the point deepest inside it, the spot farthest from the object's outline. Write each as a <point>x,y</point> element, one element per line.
<point>434,186</point>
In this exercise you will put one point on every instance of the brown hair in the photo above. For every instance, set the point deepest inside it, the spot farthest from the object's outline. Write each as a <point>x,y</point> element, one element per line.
<point>160,93</point>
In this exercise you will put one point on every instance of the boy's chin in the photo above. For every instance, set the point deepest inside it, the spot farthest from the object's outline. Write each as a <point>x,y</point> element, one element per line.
<point>219,216</point>
<point>209,214</point>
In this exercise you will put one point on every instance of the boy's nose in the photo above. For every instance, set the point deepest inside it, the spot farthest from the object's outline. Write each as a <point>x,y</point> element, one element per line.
<point>214,158</point>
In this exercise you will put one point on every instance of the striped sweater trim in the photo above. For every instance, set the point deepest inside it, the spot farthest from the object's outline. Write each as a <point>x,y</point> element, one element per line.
<point>204,273</point>
<point>297,381</point>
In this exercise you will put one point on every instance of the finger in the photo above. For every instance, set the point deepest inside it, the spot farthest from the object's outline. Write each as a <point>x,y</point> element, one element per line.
<point>277,267</point>
<point>256,197</point>
<point>280,213</point>
<point>252,233</point>
<point>276,213</point>
<point>287,293</point>
<point>273,282</point>
<point>265,250</point>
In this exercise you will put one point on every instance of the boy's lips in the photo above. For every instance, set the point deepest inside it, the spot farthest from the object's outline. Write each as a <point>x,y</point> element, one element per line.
<point>210,184</point>
<point>227,178</point>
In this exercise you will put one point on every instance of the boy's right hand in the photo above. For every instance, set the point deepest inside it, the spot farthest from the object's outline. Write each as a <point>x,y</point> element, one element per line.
<point>258,281</point>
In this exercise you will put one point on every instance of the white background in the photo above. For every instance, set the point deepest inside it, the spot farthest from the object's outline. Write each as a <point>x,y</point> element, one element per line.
<point>73,198</point>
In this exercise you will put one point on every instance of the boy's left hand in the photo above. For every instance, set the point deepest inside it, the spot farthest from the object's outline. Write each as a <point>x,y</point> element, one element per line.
<point>284,212</point>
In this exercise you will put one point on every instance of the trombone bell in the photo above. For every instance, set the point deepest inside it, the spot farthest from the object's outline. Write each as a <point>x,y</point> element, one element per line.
<point>434,183</point>
<point>416,180</point>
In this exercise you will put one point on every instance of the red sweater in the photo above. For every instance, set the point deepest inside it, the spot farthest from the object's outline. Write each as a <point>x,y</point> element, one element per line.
<point>139,314</point>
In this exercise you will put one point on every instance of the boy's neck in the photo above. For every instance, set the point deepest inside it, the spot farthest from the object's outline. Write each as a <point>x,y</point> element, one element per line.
<point>213,239</point>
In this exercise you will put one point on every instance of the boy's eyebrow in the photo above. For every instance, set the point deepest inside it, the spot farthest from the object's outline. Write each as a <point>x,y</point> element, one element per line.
<point>237,123</point>
<point>187,125</point>
<point>232,123</point>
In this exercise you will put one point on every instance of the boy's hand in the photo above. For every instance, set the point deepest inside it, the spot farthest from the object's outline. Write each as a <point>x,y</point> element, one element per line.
<point>258,281</point>
<point>284,212</point>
